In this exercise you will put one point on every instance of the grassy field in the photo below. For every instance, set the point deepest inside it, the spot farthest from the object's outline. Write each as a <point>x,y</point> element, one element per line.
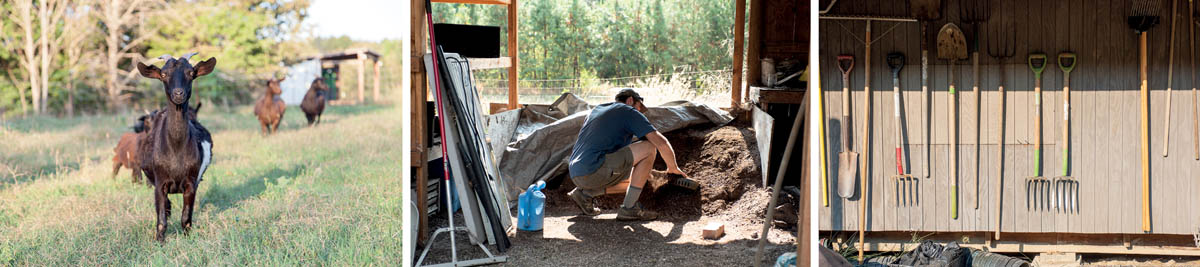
<point>328,195</point>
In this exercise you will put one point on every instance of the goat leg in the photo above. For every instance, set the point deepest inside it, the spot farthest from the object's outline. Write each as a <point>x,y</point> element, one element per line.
<point>116,169</point>
<point>163,208</point>
<point>189,198</point>
<point>135,174</point>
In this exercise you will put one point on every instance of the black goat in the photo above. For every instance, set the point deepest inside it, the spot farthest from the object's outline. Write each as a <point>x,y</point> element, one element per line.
<point>176,149</point>
<point>314,101</point>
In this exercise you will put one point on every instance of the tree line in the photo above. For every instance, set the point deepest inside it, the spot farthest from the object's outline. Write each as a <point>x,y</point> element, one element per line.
<point>69,56</point>
<point>570,39</point>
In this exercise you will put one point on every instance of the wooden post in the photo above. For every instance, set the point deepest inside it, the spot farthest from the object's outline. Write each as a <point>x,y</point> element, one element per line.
<point>802,235</point>
<point>375,94</point>
<point>512,54</point>
<point>418,116</point>
<point>754,47</point>
<point>362,69</point>
<point>739,33</point>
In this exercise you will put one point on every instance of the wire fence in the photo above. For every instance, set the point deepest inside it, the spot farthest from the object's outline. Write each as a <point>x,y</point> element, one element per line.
<point>705,87</point>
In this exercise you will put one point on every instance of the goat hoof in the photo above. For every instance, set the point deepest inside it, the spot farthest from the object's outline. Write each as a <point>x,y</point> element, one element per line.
<point>160,233</point>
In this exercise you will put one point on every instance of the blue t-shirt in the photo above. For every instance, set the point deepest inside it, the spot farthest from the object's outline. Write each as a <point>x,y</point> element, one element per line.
<point>608,128</point>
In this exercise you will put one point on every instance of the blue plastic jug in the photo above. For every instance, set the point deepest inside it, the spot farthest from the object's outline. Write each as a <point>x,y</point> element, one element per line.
<point>530,207</point>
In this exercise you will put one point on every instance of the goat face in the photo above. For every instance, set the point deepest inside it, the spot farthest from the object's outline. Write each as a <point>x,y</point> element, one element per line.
<point>273,86</point>
<point>177,75</point>
<point>319,85</point>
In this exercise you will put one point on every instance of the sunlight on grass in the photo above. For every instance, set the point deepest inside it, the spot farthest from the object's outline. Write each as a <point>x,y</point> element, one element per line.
<point>328,195</point>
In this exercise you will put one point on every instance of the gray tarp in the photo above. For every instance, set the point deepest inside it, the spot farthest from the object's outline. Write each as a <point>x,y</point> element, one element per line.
<point>537,153</point>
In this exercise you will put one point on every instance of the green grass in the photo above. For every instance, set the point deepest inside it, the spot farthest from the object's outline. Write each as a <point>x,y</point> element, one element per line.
<point>328,195</point>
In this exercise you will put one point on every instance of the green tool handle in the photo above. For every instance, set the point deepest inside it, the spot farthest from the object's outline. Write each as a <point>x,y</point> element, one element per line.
<point>954,202</point>
<point>1037,159</point>
<point>953,143</point>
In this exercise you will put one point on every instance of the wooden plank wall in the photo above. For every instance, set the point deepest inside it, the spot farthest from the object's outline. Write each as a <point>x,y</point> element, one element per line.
<point>1104,122</point>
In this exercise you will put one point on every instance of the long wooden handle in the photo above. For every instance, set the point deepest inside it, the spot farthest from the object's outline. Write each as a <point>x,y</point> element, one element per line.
<point>1066,136</point>
<point>1000,160</point>
<point>845,112</point>
<point>1195,94</point>
<point>1170,79</point>
<point>925,100</point>
<point>866,153</point>
<point>978,133</point>
<point>1145,116</point>
<point>1037,126</point>
<point>899,135</point>
<point>953,145</point>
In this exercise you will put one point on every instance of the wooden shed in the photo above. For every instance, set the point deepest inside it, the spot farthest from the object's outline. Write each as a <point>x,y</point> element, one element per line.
<point>1105,141</point>
<point>331,66</point>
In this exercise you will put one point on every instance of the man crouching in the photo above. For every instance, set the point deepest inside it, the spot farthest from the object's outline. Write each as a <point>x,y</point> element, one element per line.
<point>605,154</point>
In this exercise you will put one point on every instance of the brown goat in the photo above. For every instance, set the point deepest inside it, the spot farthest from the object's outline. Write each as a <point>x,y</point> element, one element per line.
<point>270,108</point>
<point>127,151</point>
<point>177,150</point>
<point>314,101</point>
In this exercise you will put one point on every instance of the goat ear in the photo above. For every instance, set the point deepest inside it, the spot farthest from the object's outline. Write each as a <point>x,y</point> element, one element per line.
<point>149,71</point>
<point>204,68</point>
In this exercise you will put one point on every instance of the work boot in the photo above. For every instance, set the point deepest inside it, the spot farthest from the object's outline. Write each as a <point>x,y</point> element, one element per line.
<point>636,213</point>
<point>583,202</point>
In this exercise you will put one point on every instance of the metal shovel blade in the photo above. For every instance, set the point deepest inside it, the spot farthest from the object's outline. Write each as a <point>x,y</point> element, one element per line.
<point>847,170</point>
<point>951,43</point>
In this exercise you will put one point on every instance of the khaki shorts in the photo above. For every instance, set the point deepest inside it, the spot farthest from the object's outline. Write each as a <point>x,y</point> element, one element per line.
<point>616,167</point>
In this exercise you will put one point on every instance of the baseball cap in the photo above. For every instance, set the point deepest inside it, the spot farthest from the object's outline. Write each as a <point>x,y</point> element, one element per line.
<point>626,93</point>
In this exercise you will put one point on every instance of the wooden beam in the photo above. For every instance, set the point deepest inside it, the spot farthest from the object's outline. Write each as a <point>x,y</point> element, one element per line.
<point>512,54</point>
<point>375,91</point>
<point>489,63</point>
<point>417,113</point>
<point>362,69</point>
<point>805,224</point>
<point>482,2</point>
<point>1143,244</point>
<point>764,96</point>
<point>754,51</point>
<point>739,32</point>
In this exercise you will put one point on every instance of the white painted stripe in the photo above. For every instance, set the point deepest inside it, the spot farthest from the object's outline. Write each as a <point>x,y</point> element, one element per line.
<point>206,152</point>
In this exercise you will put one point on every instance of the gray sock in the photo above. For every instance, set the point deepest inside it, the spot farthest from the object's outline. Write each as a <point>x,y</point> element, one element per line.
<point>631,196</point>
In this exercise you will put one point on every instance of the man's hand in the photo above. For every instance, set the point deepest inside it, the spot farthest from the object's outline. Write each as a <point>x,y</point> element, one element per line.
<point>666,151</point>
<point>676,170</point>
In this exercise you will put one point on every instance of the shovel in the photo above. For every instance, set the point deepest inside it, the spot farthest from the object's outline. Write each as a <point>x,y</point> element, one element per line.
<point>847,160</point>
<point>952,46</point>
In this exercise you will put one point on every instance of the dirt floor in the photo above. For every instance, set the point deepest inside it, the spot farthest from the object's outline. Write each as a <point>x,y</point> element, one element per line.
<point>724,160</point>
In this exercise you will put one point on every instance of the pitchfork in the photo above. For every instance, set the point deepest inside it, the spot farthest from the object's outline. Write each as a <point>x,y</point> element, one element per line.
<point>1037,186</point>
<point>906,184</point>
<point>1066,188</point>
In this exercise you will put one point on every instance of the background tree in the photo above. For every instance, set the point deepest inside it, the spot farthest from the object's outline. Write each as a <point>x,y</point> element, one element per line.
<point>117,20</point>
